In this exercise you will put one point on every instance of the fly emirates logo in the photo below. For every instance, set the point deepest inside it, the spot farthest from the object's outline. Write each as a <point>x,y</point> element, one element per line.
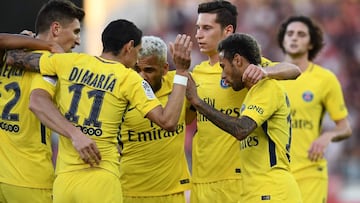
<point>231,111</point>
<point>156,133</point>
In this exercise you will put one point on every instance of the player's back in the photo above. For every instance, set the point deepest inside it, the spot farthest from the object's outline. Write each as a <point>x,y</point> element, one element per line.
<point>25,143</point>
<point>94,94</point>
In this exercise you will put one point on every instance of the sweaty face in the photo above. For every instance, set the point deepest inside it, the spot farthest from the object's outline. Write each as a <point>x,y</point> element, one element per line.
<point>151,70</point>
<point>231,74</point>
<point>68,36</point>
<point>297,39</point>
<point>208,33</point>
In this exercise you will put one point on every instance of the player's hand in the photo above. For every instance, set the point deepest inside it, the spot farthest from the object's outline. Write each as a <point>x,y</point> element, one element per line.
<point>28,33</point>
<point>191,90</point>
<point>87,148</point>
<point>180,51</point>
<point>253,74</point>
<point>318,147</point>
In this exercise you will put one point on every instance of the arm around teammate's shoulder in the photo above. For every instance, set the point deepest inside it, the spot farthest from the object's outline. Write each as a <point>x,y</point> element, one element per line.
<point>283,71</point>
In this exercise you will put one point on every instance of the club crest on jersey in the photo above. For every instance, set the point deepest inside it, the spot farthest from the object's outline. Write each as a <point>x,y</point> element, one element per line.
<point>308,96</point>
<point>223,84</point>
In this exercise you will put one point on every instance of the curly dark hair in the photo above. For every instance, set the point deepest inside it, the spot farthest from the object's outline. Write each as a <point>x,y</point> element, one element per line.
<point>316,34</point>
<point>242,44</point>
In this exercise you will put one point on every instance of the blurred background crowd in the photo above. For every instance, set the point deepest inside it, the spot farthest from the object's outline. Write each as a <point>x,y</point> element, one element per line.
<point>340,20</point>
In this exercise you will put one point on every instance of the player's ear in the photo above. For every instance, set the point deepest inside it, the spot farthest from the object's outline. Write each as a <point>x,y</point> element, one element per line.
<point>238,60</point>
<point>166,68</point>
<point>55,28</point>
<point>228,30</point>
<point>129,46</point>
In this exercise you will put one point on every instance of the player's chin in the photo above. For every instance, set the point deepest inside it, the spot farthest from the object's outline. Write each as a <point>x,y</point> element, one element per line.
<point>203,48</point>
<point>235,87</point>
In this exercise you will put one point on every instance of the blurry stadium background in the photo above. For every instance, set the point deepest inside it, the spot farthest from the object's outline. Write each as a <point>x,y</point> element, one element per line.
<point>340,20</point>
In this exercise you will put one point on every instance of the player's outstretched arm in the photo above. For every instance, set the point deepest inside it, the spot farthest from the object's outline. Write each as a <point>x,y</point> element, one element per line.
<point>283,71</point>
<point>14,46</point>
<point>240,128</point>
<point>168,117</point>
<point>280,71</point>
<point>16,41</point>
<point>22,59</point>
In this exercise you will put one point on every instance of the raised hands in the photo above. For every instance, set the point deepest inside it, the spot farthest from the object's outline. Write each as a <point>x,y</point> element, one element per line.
<point>180,51</point>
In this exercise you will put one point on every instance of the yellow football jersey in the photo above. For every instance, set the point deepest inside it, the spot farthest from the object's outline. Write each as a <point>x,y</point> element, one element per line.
<point>153,160</point>
<point>93,94</point>
<point>47,83</point>
<point>215,153</point>
<point>314,92</point>
<point>25,150</point>
<point>265,153</point>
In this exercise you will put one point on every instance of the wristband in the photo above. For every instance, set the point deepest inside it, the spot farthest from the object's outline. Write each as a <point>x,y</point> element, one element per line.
<point>180,80</point>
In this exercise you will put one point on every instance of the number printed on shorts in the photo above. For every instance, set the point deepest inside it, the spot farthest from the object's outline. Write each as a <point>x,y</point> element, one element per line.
<point>97,96</point>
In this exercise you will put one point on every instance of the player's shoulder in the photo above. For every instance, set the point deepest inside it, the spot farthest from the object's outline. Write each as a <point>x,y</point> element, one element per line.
<point>169,75</point>
<point>265,62</point>
<point>201,66</point>
<point>322,71</point>
<point>268,82</point>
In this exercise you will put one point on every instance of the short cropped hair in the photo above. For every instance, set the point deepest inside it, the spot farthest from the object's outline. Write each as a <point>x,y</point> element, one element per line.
<point>242,44</point>
<point>316,34</point>
<point>118,33</point>
<point>226,13</point>
<point>151,45</point>
<point>63,11</point>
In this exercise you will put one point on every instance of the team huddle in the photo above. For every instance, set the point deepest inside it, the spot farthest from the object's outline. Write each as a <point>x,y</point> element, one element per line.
<point>121,116</point>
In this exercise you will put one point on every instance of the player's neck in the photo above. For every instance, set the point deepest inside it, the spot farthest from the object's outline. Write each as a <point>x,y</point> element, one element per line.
<point>44,36</point>
<point>110,56</point>
<point>301,61</point>
<point>213,59</point>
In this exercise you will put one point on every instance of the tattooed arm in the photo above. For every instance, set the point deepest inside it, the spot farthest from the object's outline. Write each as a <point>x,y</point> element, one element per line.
<point>20,58</point>
<point>240,128</point>
<point>24,59</point>
<point>15,41</point>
